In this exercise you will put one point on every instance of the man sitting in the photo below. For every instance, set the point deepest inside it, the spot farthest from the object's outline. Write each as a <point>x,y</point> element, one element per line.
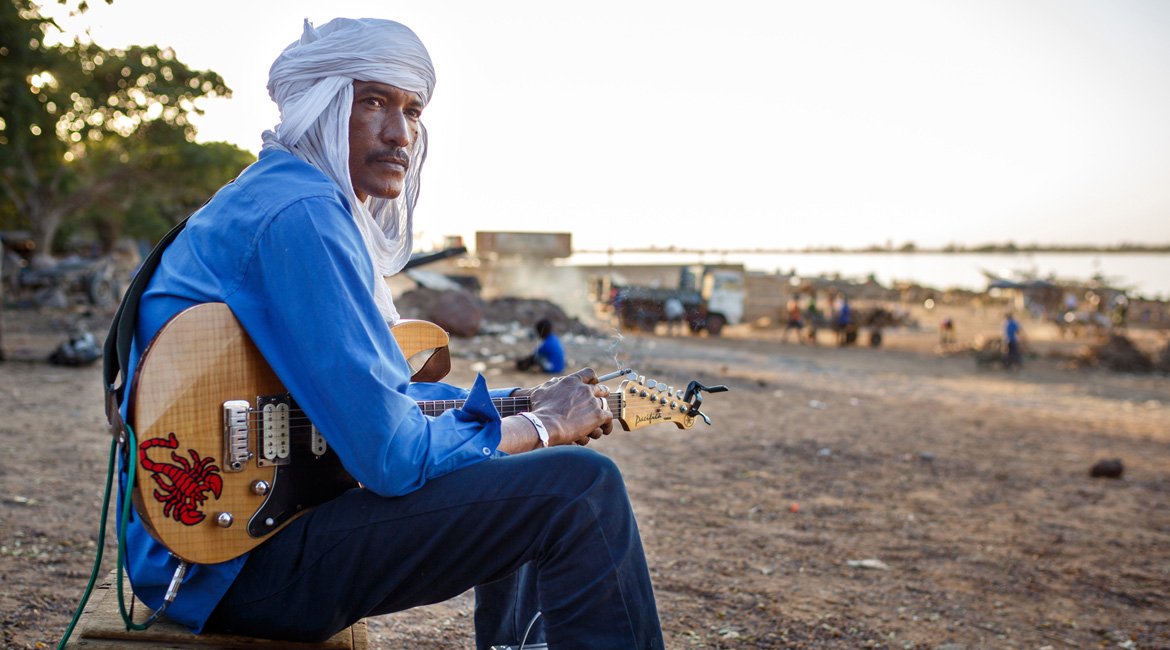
<point>298,247</point>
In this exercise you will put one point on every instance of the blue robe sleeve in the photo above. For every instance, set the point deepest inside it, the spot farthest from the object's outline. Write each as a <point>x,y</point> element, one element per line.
<point>305,298</point>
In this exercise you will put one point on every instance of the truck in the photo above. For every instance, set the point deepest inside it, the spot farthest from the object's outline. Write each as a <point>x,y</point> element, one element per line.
<point>711,297</point>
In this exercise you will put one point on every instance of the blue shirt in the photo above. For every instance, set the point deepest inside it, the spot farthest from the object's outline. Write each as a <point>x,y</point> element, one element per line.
<point>280,247</point>
<point>846,313</point>
<point>550,355</point>
<point>1011,331</point>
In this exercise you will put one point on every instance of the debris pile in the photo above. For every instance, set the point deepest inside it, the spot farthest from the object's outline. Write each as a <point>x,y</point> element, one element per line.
<point>1162,359</point>
<point>462,314</point>
<point>988,351</point>
<point>1112,468</point>
<point>458,312</point>
<point>526,311</point>
<point>1118,354</point>
<point>80,350</point>
<point>879,318</point>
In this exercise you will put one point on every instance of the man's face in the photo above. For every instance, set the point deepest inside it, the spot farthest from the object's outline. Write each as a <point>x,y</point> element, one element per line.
<point>383,127</point>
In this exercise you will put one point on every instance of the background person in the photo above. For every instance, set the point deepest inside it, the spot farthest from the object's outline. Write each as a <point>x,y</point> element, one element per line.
<point>674,312</point>
<point>1013,358</point>
<point>549,355</point>
<point>795,321</point>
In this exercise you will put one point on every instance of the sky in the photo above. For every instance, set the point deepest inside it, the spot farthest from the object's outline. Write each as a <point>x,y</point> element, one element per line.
<point>745,124</point>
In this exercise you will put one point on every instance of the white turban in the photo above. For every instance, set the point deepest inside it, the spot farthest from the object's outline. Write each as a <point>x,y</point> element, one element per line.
<point>312,84</point>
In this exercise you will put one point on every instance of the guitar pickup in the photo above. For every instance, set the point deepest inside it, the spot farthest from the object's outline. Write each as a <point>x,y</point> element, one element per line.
<point>275,437</point>
<point>317,442</point>
<point>235,435</point>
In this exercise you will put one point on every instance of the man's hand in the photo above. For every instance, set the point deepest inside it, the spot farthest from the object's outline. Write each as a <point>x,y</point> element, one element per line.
<point>572,408</point>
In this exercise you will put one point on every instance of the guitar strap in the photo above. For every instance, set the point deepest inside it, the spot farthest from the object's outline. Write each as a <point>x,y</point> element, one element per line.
<point>116,351</point>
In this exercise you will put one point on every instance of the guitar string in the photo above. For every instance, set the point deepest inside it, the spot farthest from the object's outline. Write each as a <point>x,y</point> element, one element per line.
<point>513,406</point>
<point>298,435</point>
<point>438,407</point>
<point>297,418</point>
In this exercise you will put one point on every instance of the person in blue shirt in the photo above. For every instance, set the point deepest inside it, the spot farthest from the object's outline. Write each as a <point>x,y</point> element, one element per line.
<point>844,322</point>
<point>298,247</point>
<point>1013,359</point>
<point>549,355</point>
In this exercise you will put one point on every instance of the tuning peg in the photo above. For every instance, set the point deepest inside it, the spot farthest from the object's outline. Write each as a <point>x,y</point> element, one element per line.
<point>650,383</point>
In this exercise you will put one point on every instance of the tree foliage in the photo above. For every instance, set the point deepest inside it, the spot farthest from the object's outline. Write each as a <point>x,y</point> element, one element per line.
<point>101,138</point>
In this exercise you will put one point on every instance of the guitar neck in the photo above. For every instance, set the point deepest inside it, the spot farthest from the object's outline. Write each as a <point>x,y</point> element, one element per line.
<point>505,405</point>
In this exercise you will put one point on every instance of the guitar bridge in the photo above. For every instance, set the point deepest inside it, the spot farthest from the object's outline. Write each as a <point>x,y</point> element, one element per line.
<point>275,438</point>
<point>235,435</point>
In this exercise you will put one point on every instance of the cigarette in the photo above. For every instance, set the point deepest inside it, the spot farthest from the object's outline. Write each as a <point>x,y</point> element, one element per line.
<point>614,375</point>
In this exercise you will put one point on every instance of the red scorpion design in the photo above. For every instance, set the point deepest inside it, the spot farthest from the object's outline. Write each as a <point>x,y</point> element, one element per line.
<point>186,484</point>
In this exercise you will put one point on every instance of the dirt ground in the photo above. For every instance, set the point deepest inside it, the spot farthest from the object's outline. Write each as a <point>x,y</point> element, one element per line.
<point>842,498</point>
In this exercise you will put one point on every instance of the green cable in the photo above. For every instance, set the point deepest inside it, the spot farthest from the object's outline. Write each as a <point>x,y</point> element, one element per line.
<point>97,563</point>
<point>130,624</point>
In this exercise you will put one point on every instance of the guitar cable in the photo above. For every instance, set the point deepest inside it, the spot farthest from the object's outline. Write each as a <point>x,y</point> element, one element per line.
<point>176,579</point>
<point>530,624</point>
<point>100,547</point>
<point>524,640</point>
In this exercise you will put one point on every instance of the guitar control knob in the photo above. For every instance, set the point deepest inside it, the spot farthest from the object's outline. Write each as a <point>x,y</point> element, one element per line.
<point>260,488</point>
<point>224,519</point>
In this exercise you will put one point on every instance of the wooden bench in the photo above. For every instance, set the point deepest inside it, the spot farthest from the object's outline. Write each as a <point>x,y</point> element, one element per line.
<point>101,628</point>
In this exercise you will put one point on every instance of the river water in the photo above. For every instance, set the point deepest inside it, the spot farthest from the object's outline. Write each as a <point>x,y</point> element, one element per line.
<point>1144,274</point>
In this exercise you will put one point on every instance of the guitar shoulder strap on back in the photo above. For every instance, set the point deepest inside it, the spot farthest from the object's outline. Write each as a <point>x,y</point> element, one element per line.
<point>116,350</point>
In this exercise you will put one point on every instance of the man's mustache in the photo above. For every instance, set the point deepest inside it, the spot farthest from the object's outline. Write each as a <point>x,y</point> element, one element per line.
<point>400,156</point>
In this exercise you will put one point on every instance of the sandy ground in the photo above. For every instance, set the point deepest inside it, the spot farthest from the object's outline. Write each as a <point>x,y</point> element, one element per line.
<point>842,498</point>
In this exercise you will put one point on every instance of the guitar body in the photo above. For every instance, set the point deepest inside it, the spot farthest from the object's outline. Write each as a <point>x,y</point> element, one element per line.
<point>204,502</point>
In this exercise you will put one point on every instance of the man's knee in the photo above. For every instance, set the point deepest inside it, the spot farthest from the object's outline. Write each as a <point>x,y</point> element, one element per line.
<point>588,465</point>
<point>586,478</point>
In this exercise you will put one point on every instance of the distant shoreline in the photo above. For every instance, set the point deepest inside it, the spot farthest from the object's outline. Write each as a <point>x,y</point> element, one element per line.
<point>1145,271</point>
<point>1007,249</point>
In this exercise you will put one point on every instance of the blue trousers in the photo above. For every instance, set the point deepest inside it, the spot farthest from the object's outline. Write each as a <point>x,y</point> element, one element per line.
<point>550,530</point>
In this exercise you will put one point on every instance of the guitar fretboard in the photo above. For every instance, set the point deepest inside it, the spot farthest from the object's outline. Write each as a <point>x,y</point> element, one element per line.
<point>505,405</point>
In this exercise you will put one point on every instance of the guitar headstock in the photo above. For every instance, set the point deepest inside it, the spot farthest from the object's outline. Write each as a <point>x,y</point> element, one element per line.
<point>648,401</point>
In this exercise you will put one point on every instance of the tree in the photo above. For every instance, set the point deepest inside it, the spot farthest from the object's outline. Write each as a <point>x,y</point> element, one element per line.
<point>82,127</point>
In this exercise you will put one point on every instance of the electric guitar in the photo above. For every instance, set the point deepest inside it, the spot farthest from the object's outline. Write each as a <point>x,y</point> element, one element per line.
<point>225,457</point>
